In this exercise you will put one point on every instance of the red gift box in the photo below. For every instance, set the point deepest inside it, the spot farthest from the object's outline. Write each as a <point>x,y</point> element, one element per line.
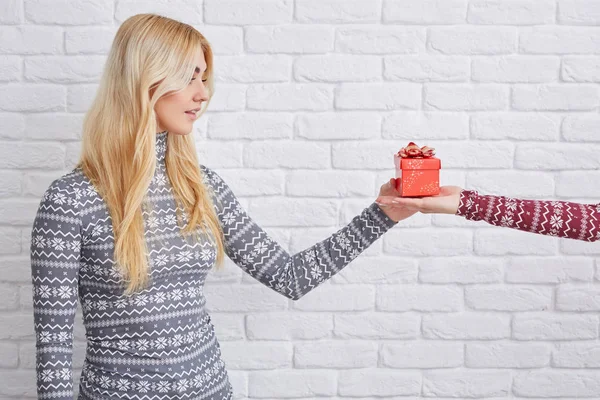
<point>419,171</point>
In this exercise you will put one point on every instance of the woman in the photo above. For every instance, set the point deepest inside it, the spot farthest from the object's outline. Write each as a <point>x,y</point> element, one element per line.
<point>554,218</point>
<point>134,229</point>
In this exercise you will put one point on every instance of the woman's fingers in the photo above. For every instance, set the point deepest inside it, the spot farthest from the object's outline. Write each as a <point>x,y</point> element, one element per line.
<point>399,202</point>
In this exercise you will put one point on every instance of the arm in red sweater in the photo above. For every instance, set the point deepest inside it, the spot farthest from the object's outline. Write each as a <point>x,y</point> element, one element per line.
<point>554,218</point>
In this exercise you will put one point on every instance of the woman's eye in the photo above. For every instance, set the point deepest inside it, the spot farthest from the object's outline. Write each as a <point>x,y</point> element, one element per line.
<point>203,80</point>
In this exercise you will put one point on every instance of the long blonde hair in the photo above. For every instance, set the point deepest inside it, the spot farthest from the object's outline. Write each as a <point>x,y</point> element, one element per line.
<point>150,56</point>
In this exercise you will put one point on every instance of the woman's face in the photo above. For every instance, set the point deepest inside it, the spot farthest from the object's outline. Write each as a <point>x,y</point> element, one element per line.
<point>176,112</point>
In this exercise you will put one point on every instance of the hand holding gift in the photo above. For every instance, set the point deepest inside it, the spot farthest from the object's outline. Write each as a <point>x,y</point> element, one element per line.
<point>418,173</point>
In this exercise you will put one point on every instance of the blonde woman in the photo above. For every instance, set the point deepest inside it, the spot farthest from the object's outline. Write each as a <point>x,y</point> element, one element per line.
<point>133,230</point>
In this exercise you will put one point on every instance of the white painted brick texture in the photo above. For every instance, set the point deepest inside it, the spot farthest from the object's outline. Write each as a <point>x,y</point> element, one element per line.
<point>313,98</point>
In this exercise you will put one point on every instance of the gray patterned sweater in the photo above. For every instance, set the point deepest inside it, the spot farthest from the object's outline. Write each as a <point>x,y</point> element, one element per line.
<point>159,343</point>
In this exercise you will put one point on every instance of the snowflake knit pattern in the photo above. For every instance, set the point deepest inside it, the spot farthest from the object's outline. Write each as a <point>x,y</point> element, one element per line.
<point>159,343</point>
<point>563,219</point>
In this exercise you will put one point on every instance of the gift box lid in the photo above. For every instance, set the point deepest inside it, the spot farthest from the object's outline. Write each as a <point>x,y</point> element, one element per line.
<point>417,163</point>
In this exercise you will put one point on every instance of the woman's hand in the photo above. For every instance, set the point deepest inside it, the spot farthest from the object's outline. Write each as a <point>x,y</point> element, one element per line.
<point>444,203</point>
<point>388,191</point>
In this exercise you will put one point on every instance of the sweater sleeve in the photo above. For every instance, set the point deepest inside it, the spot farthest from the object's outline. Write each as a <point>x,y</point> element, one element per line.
<point>55,254</point>
<point>251,248</point>
<point>553,218</point>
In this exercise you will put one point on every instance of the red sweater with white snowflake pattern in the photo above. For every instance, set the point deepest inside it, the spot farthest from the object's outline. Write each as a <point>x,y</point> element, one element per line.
<point>554,218</point>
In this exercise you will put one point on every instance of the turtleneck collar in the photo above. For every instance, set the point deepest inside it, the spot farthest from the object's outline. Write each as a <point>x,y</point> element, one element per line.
<point>161,146</point>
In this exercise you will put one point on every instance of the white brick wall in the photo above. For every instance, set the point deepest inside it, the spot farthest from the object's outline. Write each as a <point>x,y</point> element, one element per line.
<point>313,97</point>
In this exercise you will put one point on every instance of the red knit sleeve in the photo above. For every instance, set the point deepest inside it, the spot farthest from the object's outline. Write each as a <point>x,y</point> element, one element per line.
<point>553,218</point>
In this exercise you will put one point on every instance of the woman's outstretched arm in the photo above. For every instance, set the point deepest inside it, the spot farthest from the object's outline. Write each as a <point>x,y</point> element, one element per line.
<point>554,218</point>
<point>55,255</point>
<point>545,217</point>
<point>251,248</point>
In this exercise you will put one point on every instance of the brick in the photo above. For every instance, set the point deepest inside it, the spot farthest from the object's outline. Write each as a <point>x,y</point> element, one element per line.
<point>69,12</point>
<point>507,355</point>
<point>425,12</point>
<point>89,39</point>
<point>427,68</point>
<point>290,97</point>
<point>64,69</point>
<point>338,298</point>
<point>532,126</point>
<point>31,39</point>
<point>426,125</point>
<point>236,12</point>
<point>578,12</point>
<point>250,126</point>
<point>13,126</point>
<point>10,68</point>
<point>581,69</point>
<point>337,67</point>
<point>293,212</point>
<point>303,39</point>
<point>346,354</point>
<point>512,183</point>
<point>508,298</point>
<point>576,355</point>
<point>9,295</point>
<point>340,184</point>
<point>189,11</point>
<point>10,183</point>
<point>289,326</point>
<point>11,12</point>
<point>32,97</point>
<point>515,69</point>
<point>550,270</point>
<point>337,11</point>
<point>248,298</point>
<point>556,156</point>
<point>464,270</point>
<point>16,325</point>
<point>286,384</point>
<point>253,68</point>
<point>379,382</point>
<point>380,40</point>
<point>511,12</point>
<point>258,355</point>
<point>466,326</point>
<point>559,40</point>
<point>376,326</point>
<point>21,155</point>
<point>57,126</point>
<point>379,270</point>
<point>282,153</point>
<point>498,241</point>
<point>465,383</point>
<point>578,183</point>
<point>422,298</point>
<point>225,40</point>
<point>22,383</point>
<point>472,41</point>
<point>577,298</point>
<point>545,326</point>
<point>582,128</point>
<point>458,97</point>
<point>339,125</point>
<point>422,354</point>
<point>555,97</point>
<point>427,242</point>
<point>372,96</point>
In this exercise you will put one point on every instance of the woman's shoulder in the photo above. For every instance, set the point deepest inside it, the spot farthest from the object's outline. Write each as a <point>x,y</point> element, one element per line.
<point>69,188</point>
<point>210,177</point>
